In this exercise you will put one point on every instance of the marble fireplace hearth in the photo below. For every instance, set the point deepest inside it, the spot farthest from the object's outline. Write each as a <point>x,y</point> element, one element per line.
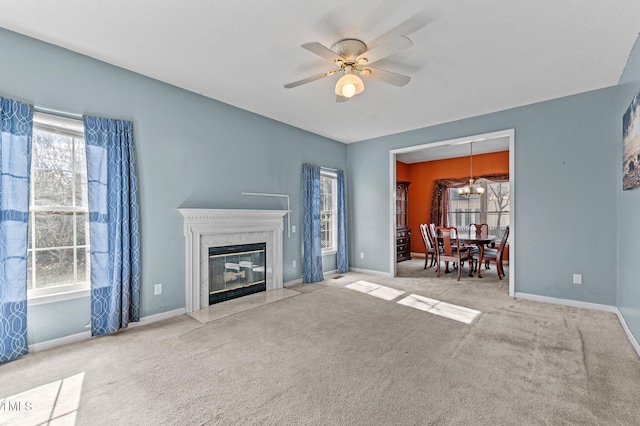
<point>204,228</point>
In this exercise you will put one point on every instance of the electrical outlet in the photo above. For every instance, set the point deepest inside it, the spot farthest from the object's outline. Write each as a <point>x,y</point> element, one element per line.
<point>293,263</point>
<point>157,289</point>
<point>577,278</point>
<point>293,228</point>
<point>361,255</point>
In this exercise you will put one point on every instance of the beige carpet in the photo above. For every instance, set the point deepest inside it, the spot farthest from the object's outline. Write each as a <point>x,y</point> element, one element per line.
<point>336,356</point>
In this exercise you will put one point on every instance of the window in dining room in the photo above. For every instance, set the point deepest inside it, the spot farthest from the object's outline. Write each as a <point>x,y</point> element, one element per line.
<point>492,207</point>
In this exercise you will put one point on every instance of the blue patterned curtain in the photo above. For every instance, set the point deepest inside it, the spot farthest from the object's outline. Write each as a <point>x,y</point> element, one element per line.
<point>114,224</point>
<point>312,244</point>
<point>343,253</point>
<point>15,162</point>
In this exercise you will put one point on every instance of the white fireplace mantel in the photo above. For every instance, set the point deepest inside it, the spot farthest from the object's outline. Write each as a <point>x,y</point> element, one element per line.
<point>204,228</point>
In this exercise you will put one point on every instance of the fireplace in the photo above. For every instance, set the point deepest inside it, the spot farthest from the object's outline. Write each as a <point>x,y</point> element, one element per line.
<point>204,228</point>
<point>236,271</point>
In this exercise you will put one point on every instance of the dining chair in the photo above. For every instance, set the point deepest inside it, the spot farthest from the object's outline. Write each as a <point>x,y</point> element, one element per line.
<point>429,244</point>
<point>432,228</point>
<point>447,253</point>
<point>495,255</point>
<point>434,237</point>
<point>481,229</point>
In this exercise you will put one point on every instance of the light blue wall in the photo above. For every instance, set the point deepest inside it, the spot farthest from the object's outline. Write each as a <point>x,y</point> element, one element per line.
<point>628,207</point>
<point>565,169</point>
<point>191,151</point>
<point>196,152</point>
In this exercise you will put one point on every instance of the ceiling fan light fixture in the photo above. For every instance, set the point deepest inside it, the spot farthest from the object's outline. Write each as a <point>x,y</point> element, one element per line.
<point>349,85</point>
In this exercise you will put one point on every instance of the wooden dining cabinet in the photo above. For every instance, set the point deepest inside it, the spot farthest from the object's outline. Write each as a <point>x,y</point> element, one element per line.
<point>403,233</point>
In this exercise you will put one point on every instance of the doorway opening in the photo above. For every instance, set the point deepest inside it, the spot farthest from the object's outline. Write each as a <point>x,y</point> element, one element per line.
<point>453,148</point>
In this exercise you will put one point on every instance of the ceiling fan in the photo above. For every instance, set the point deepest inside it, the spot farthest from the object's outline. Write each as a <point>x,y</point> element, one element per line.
<point>353,59</point>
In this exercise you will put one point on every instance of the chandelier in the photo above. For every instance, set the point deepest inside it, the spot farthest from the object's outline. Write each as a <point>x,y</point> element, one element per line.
<point>471,188</point>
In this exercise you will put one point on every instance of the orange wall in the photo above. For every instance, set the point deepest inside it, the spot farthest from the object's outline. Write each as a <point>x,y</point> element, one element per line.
<point>422,176</point>
<point>402,171</point>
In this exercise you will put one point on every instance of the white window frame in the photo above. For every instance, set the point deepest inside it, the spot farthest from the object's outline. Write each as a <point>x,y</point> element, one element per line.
<point>484,205</point>
<point>72,128</point>
<point>333,230</point>
<point>486,199</point>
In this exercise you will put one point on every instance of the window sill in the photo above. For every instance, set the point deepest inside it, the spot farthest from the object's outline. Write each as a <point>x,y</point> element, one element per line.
<point>57,297</point>
<point>329,252</point>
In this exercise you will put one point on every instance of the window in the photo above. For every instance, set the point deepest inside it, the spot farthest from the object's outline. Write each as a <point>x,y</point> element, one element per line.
<point>58,252</point>
<point>328,210</point>
<point>491,208</point>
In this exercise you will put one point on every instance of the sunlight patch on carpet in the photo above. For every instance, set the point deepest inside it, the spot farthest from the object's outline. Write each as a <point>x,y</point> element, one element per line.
<point>53,403</point>
<point>443,309</point>
<point>375,290</point>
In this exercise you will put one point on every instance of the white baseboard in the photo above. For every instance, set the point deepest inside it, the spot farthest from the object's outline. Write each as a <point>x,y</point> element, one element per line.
<point>586,305</point>
<point>627,330</point>
<point>370,272</point>
<point>566,302</point>
<point>66,340</point>
<point>86,335</point>
<point>293,282</point>
<point>157,317</point>
<point>325,274</point>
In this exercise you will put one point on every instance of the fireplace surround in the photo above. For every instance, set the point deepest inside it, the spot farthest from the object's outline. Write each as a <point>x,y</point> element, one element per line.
<point>205,228</point>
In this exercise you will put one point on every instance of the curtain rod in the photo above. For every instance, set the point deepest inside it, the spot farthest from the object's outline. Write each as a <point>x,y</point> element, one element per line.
<point>56,112</point>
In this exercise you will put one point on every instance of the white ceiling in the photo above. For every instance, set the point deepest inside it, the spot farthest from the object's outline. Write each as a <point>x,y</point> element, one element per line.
<point>468,57</point>
<point>454,149</point>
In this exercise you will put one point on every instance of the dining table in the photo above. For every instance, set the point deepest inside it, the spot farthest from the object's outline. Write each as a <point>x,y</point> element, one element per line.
<point>471,238</point>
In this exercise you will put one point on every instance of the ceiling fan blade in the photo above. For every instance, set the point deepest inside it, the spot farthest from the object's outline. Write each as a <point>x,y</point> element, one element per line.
<point>341,98</point>
<point>323,51</point>
<point>386,49</point>
<point>309,79</point>
<point>386,76</point>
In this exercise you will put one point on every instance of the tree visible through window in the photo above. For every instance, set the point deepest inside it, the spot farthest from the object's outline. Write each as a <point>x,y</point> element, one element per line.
<point>491,208</point>
<point>58,252</point>
<point>328,210</point>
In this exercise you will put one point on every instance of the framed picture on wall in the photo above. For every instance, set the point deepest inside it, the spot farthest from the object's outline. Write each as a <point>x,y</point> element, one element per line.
<point>631,145</point>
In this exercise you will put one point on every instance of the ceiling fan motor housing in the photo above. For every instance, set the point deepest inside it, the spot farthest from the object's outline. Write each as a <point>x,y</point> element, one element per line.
<point>349,48</point>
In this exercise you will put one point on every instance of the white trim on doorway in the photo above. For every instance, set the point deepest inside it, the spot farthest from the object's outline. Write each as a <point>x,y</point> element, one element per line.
<point>476,139</point>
